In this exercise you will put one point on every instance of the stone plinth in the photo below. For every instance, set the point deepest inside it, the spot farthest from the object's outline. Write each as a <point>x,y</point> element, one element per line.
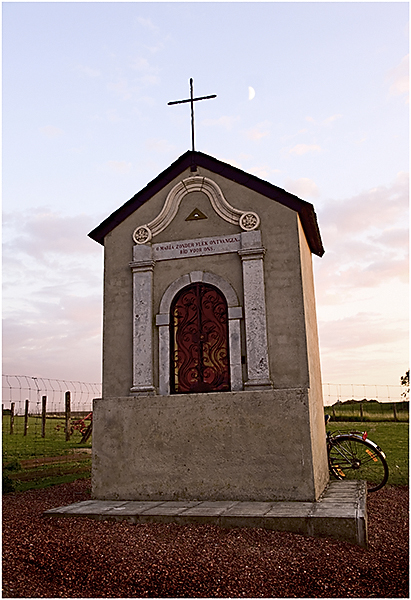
<point>341,513</point>
<point>259,446</point>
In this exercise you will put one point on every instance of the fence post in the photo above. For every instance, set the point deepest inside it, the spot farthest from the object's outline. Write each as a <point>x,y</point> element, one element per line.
<point>362,412</point>
<point>26,417</point>
<point>333,412</point>
<point>68,411</point>
<point>43,416</point>
<point>394,405</point>
<point>11,418</point>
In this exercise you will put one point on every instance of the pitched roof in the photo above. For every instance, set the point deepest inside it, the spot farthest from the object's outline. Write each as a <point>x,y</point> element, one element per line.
<point>305,209</point>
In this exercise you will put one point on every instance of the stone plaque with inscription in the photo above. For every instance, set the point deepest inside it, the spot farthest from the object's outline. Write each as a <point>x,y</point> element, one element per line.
<point>196,247</point>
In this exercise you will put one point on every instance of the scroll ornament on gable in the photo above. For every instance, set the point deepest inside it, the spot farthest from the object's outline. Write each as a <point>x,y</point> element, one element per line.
<point>247,220</point>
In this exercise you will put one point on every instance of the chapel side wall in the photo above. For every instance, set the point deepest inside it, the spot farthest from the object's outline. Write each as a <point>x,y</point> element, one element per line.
<point>118,299</point>
<point>310,312</point>
<point>117,318</point>
<point>285,306</point>
<point>283,283</point>
<point>316,405</point>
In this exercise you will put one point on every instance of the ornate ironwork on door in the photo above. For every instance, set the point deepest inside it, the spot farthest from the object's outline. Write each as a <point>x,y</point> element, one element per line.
<point>199,341</point>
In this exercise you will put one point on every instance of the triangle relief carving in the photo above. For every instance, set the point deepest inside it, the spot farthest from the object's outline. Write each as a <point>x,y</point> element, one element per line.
<point>247,220</point>
<point>196,215</point>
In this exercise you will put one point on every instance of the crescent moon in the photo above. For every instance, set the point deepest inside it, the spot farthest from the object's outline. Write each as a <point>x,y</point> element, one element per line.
<point>251,93</point>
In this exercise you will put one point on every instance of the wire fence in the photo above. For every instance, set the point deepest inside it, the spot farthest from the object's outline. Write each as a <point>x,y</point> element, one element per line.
<point>19,388</point>
<point>47,424</point>
<point>47,430</point>
<point>341,392</point>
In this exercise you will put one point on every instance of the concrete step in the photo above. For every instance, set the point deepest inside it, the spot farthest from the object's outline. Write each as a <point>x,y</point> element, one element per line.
<point>340,513</point>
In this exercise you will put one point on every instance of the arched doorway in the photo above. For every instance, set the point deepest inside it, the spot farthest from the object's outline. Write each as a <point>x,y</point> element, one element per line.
<point>199,341</point>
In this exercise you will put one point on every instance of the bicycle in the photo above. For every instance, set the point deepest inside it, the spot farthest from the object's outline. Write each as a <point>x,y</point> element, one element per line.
<point>352,456</point>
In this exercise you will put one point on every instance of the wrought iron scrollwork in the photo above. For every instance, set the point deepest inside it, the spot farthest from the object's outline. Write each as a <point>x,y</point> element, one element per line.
<point>199,338</point>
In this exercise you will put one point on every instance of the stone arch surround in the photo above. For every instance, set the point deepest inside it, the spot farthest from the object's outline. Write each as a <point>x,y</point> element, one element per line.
<point>251,253</point>
<point>235,314</point>
<point>247,220</point>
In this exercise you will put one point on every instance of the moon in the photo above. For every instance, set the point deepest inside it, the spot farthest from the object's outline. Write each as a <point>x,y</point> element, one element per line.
<point>251,93</point>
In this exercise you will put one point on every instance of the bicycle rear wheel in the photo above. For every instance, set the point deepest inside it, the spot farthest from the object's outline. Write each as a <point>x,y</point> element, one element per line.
<point>350,457</point>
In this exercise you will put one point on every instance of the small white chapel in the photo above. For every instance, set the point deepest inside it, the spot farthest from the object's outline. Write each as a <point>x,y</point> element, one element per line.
<point>211,367</point>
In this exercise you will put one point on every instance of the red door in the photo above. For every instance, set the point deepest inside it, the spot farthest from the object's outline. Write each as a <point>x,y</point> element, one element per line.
<point>199,341</point>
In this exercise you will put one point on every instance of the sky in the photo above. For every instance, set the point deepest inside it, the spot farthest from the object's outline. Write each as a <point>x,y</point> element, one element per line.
<point>312,97</point>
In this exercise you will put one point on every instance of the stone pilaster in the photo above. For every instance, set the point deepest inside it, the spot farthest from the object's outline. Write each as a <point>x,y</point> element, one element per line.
<point>142,268</point>
<point>252,254</point>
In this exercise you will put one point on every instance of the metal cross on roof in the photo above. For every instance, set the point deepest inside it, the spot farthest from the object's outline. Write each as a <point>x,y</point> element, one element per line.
<point>192,100</point>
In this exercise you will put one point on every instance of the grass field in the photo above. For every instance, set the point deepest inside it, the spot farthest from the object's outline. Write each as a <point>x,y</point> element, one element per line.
<point>392,439</point>
<point>38,462</point>
<point>35,462</point>
<point>369,411</point>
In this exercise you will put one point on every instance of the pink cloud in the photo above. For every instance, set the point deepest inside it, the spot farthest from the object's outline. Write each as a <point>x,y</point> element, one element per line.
<point>302,187</point>
<point>43,231</point>
<point>353,265</point>
<point>361,367</point>
<point>359,331</point>
<point>380,207</point>
<point>259,131</point>
<point>366,241</point>
<point>331,119</point>
<point>399,78</point>
<point>363,348</point>
<point>394,237</point>
<point>52,296</point>
<point>301,149</point>
<point>60,340</point>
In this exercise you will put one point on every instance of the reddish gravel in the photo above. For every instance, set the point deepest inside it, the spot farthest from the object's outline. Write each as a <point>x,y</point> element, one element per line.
<point>82,558</point>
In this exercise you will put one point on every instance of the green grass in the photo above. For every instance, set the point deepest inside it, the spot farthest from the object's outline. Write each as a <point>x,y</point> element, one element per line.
<point>372,411</point>
<point>393,441</point>
<point>32,445</point>
<point>43,481</point>
<point>18,448</point>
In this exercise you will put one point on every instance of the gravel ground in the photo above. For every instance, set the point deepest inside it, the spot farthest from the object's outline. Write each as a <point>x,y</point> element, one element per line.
<point>82,558</point>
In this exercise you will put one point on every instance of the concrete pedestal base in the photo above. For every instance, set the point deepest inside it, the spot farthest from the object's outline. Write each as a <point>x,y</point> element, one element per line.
<point>259,446</point>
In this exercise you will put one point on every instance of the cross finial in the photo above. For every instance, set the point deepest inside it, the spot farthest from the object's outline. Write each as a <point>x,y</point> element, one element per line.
<point>192,100</point>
